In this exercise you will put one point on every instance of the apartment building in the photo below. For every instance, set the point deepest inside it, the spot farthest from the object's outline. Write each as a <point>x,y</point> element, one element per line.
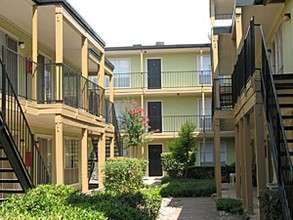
<point>252,49</point>
<point>55,122</point>
<point>173,84</point>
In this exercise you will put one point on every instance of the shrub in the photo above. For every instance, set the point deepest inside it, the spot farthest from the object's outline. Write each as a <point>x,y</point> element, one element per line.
<point>124,174</point>
<point>143,205</point>
<point>270,203</point>
<point>173,167</point>
<point>202,172</point>
<point>183,147</point>
<point>188,188</point>
<point>64,202</point>
<point>47,202</point>
<point>233,206</point>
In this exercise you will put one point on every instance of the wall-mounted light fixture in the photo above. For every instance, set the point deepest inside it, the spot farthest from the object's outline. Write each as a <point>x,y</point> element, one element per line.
<point>21,44</point>
<point>286,17</point>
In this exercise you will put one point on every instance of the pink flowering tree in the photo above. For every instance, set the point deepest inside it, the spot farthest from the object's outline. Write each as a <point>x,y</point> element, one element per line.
<point>135,126</point>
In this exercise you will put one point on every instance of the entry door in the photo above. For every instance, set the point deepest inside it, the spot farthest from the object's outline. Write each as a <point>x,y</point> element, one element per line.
<point>45,149</point>
<point>155,167</point>
<point>155,116</point>
<point>154,73</point>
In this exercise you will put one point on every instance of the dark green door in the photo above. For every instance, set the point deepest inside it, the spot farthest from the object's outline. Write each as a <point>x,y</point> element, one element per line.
<point>154,73</point>
<point>155,167</point>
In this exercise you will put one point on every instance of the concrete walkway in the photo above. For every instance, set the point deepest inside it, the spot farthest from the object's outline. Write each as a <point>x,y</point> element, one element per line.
<point>196,208</point>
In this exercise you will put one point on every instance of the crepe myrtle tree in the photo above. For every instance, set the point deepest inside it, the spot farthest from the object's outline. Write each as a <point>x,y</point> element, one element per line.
<point>135,126</point>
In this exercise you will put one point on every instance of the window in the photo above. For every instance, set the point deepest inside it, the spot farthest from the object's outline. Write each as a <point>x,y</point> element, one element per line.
<point>207,154</point>
<point>71,153</point>
<point>205,123</point>
<point>121,73</point>
<point>204,70</point>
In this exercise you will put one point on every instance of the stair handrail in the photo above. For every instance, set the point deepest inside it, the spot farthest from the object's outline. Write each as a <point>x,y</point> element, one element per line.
<point>33,156</point>
<point>118,137</point>
<point>93,154</point>
<point>275,138</point>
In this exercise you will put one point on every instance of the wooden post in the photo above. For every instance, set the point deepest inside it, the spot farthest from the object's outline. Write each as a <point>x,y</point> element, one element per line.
<point>58,165</point>
<point>248,165</point>
<point>84,161</point>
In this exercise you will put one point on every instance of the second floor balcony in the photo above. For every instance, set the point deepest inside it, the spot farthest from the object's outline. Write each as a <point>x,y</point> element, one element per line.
<point>50,83</point>
<point>162,80</point>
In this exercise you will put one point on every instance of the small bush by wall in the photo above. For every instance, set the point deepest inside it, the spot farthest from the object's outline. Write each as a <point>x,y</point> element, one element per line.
<point>124,174</point>
<point>187,188</point>
<point>233,206</point>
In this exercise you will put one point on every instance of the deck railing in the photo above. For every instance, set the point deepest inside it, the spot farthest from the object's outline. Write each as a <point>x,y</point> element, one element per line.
<point>165,79</point>
<point>13,119</point>
<point>173,123</point>
<point>55,83</point>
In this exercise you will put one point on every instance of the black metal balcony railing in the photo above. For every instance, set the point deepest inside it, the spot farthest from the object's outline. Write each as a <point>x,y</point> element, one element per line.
<point>173,123</point>
<point>245,65</point>
<point>222,93</point>
<point>166,79</point>
<point>13,119</point>
<point>55,83</point>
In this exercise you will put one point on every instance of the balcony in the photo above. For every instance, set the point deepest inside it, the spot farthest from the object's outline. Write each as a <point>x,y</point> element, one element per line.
<point>56,83</point>
<point>163,80</point>
<point>222,93</point>
<point>173,123</point>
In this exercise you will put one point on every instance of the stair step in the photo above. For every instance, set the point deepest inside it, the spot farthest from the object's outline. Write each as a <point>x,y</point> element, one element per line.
<point>288,127</point>
<point>286,105</point>
<point>284,95</point>
<point>282,76</point>
<point>9,181</point>
<point>3,158</point>
<point>6,170</point>
<point>287,116</point>
<point>11,191</point>
<point>281,86</point>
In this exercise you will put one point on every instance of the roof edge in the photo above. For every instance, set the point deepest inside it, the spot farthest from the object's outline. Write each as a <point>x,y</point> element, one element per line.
<point>171,46</point>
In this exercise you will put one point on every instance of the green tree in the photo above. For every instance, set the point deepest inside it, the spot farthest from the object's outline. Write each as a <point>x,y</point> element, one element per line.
<point>135,126</point>
<point>183,148</point>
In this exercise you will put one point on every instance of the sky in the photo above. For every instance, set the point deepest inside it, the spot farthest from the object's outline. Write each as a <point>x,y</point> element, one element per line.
<point>128,22</point>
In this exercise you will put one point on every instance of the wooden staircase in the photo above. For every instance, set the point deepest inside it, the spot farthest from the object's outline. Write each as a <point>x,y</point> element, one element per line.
<point>284,89</point>
<point>284,92</point>
<point>9,183</point>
